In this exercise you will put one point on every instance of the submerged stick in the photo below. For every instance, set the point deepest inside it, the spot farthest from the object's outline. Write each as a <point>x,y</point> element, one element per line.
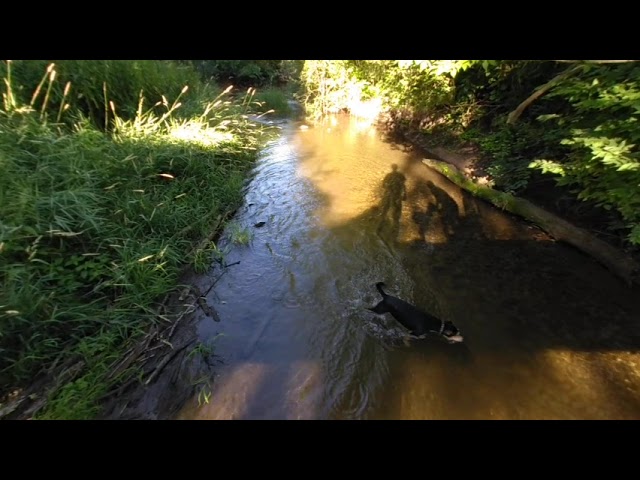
<point>615,260</point>
<point>165,361</point>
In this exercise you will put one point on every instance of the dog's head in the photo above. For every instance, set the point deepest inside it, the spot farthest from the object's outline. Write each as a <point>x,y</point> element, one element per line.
<point>451,333</point>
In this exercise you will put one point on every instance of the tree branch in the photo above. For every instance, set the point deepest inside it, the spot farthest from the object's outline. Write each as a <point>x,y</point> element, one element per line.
<point>513,116</point>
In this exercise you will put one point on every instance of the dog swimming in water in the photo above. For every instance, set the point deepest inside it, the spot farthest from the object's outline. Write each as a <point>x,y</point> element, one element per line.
<point>416,321</point>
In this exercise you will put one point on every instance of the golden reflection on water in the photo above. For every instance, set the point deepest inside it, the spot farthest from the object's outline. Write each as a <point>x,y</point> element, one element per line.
<point>235,395</point>
<point>339,177</point>
<point>606,383</point>
<point>231,395</point>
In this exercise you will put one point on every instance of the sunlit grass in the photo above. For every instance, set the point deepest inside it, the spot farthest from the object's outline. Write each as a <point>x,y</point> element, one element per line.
<point>195,132</point>
<point>95,227</point>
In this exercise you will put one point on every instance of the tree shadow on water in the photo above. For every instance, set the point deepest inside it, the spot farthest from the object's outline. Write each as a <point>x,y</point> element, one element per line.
<point>393,193</point>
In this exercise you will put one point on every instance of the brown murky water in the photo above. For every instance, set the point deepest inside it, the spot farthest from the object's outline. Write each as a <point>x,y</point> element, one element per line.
<point>550,334</point>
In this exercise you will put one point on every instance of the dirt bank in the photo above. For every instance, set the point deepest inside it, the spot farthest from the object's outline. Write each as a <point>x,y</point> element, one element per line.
<point>181,368</point>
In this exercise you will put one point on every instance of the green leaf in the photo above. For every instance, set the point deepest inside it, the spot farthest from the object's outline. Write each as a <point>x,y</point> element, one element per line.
<point>545,118</point>
<point>634,236</point>
<point>629,166</point>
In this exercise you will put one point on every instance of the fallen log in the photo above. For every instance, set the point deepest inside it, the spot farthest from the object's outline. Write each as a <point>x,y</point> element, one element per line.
<point>614,259</point>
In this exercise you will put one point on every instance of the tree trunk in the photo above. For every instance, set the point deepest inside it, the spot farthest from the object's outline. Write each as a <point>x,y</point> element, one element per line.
<point>513,116</point>
<point>615,260</point>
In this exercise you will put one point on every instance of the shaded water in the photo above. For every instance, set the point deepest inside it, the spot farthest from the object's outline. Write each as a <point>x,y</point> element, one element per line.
<point>549,333</point>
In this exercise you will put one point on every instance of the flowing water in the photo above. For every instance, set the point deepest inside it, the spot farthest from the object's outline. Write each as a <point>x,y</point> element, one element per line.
<point>549,333</point>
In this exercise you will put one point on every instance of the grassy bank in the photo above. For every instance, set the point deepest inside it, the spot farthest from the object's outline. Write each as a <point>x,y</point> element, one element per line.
<point>96,226</point>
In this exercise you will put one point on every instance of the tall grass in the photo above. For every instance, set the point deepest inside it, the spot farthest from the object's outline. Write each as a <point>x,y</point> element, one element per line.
<point>121,81</point>
<point>274,99</point>
<point>95,226</point>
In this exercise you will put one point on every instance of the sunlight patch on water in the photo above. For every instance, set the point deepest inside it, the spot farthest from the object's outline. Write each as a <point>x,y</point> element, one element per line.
<point>366,111</point>
<point>232,394</point>
<point>576,371</point>
<point>342,165</point>
<point>304,385</point>
<point>589,377</point>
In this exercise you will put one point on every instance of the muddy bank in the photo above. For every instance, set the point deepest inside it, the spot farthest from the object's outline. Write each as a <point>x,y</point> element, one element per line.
<point>169,363</point>
<point>180,368</point>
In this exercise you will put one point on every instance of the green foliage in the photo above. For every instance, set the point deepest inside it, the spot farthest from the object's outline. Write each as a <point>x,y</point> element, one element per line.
<point>239,235</point>
<point>201,349</point>
<point>249,72</point>
<point>413,86</point>
<point>328,87</point>
<point>603,134</point>
<point>121,80</point>
<point>95,228</point>
<point>76,399</point>
<point>512,149</point>
<point>204,349</point>
<point>548,166</point>
<point>418,85</point>
<point>634,236</point>
<point>202,257</point>
<point>203,386</point>
<point>274,100</point>
<point>498,87</point>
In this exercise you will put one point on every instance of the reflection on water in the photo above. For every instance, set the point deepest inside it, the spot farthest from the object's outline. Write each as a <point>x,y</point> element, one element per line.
<point>549,333</point>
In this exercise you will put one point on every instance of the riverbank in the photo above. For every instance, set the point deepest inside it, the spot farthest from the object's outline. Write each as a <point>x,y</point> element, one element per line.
<point>99,229</point>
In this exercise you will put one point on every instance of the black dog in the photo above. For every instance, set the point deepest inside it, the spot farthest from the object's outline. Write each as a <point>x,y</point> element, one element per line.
<point>417,322</point>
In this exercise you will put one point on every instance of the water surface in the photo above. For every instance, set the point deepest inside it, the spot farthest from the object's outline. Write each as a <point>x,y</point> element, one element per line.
<point>550,334</point>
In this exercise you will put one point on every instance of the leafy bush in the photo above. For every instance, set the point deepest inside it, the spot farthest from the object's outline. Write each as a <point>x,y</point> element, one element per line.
<point>511,150</point>
<point>604,162</point>
<point>273,99</point>
<point>248,72</point>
